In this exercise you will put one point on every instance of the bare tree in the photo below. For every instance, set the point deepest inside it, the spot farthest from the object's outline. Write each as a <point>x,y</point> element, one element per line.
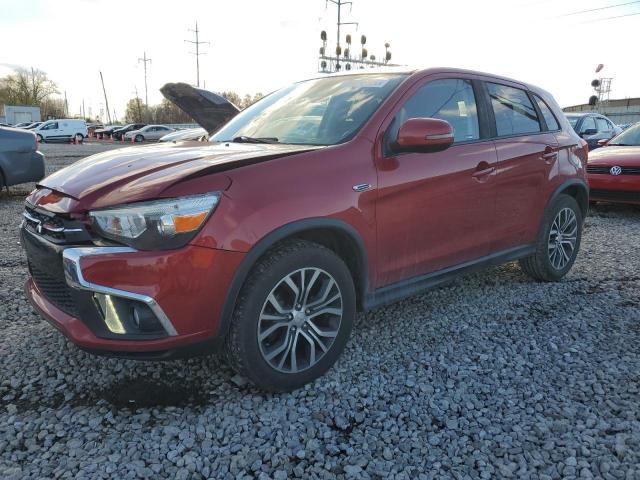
<point>241,102</point>
<point>27,87</point>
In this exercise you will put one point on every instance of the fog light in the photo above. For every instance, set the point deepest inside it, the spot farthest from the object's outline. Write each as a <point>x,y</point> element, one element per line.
<point>145,320</point>
<point>125,316</point>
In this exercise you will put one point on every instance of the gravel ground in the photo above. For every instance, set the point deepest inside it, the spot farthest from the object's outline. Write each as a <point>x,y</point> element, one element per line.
<point>492,376</point>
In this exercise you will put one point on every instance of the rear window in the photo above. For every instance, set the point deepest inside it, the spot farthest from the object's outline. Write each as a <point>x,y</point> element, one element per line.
<point>514,112</point>
<point>549,117</point>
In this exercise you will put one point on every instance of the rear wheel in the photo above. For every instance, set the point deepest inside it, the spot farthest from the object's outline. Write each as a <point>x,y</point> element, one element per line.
<point>558,242</point>
<point>293,316</point>
<point>79,137</point>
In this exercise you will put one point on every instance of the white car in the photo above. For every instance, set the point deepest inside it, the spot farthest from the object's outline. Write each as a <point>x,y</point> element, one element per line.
<point>150,132</point>
<point>186,134</point>
<point>63,129</point>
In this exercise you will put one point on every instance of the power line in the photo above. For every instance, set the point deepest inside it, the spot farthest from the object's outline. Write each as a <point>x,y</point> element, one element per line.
<point>145,60</point>
<point>600,8</point>
<point>197,43</point>
<point>612,18</point>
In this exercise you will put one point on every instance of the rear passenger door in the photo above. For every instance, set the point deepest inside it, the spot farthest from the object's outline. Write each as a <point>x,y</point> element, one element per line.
<point>527,154</point>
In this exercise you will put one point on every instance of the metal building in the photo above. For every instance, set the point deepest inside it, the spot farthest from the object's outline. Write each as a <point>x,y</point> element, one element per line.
<point>621,111</point>
<point>14,114</point>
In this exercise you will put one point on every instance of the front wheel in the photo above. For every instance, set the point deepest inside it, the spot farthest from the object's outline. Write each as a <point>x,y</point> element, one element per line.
<point>293,316</point>
<point>558,242</point>
<point>139,138</point>
<point>39,138</point>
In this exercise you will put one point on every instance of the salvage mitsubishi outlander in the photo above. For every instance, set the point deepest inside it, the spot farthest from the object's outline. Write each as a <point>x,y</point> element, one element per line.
<point>330,196</point>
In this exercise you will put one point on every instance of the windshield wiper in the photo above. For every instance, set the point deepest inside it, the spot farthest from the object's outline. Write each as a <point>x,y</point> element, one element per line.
<point>245,139</point>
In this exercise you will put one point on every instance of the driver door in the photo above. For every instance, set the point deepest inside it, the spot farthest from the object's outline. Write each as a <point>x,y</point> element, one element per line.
<point>435,210</point>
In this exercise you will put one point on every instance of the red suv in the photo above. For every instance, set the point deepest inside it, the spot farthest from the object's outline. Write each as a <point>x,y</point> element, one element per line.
<point>330,196</point>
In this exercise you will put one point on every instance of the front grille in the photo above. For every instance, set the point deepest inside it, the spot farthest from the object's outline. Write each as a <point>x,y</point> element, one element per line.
<point>615,195</point>
<point>603,169</point>
<point>55,228</point>
<point>54,287</point>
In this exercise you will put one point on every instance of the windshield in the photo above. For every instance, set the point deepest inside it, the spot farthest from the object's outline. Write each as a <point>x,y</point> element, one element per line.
<point>573,121</point>
<point>324,111</point>
<point>631,136</point>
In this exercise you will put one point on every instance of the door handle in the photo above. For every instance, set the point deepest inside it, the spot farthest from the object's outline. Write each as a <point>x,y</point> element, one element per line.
<point>484,172</point>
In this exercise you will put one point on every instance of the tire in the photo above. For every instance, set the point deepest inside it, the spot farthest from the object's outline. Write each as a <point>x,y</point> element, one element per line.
<point>39,138</point>
<point>249,355</point>
<point>2,185</point>
<point>139,138</point>
<point>548,263</point>
<point>79,137</point>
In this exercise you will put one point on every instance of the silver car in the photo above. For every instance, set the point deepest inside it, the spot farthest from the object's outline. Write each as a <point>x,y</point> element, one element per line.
<point>150,132</point>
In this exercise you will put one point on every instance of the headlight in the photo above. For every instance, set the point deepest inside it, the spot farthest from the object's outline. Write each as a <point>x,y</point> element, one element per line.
<point>156,225</point>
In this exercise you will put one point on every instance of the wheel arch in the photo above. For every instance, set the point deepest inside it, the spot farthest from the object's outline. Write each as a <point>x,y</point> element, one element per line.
<point>336,235</point>
<point>578,189</point>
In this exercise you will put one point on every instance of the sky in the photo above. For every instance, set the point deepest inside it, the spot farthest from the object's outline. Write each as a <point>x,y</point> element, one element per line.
<point>261,45</point>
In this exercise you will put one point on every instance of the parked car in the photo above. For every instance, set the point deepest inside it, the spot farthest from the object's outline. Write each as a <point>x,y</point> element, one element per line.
<point>614,171</point>
<point>106,130</point>
<point>33,125</point>
<point>64,129</point>
<point>120,132</point>
<point>187,134</point>
<point>22,125</point>
<point>20,160</point>
<point>332,195</point>
<point>593,127</point>
<point>150,132</point>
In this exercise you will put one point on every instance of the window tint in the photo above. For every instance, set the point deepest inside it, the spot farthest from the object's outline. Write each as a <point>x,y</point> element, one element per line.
<point>451,100</point>
<point>588,123</point>
<point>549,117</point>
<point>513,110</point>
<point>602,125</point>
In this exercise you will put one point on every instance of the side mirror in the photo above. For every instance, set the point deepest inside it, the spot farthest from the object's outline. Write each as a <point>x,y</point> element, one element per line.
<point>424,135</point>
<point>589,131</point>
<point>603,142</point>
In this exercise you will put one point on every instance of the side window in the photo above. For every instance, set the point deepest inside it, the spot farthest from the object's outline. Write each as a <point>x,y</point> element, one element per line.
<point>549,117</point>
<point>448,99</point>
<point>513,110</point>
<point>51,126</point>
<point>602,124</point>
<point>588,123</point>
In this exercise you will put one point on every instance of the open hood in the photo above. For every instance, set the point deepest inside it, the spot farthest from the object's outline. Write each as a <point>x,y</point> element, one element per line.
<point>209,109</point>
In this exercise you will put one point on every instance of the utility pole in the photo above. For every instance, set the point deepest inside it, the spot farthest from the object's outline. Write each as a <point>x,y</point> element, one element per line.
<point>105,98</point>
<point>144,60</point>
<point>197,43</point>
<point>84,115</point>
<point>339,4</point>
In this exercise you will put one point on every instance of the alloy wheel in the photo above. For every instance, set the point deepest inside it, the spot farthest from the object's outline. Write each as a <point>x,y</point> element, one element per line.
<point>562,238</point>
<point>300,320</point>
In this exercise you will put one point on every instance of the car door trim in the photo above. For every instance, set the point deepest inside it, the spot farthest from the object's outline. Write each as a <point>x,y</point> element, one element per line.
<point>406,288</point>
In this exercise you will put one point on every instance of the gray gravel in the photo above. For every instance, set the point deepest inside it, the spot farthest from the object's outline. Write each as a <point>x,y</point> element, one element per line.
<point>492,376</point>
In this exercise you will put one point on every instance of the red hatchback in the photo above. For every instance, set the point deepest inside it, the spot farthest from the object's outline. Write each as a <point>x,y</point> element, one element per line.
<point>614,171</point>
<point>330,196</point>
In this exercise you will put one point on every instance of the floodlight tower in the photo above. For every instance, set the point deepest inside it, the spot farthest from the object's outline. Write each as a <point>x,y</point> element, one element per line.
<point>329,63</point>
